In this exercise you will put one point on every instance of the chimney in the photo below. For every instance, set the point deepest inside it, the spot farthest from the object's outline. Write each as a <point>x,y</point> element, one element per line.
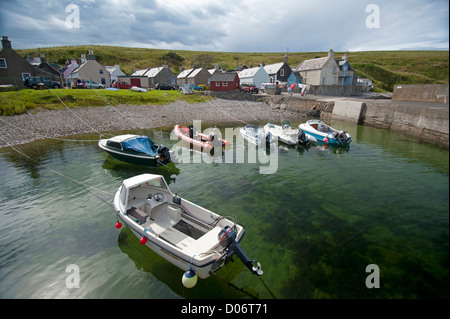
<point>331,54</point>
<point>43,59</point>
<point>345,57</point>
<point>83,58</point>
<point>6,43</point>
<point>285,59</point>
<point>91,55</point>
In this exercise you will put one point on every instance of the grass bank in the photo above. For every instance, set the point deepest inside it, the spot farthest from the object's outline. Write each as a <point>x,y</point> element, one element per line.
<point>22,101</point>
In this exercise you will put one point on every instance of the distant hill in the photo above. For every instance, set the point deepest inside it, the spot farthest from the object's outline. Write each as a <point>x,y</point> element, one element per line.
<point>384,68</point>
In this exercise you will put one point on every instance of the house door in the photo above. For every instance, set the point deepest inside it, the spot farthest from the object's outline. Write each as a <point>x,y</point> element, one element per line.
<point>135,82</point>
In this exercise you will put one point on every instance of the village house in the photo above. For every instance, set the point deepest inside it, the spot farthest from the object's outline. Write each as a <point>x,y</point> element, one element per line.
<point>182,76</point>
<point>153,76</point>
<point>319,71</point>
<point>226,81</point>
<point>346,72</point>
<point>114,72</point>
<point>279,72</point>
<point>256,75</point>
<point>199,76</point>
<point>90,69</point>
<point>14,69</point>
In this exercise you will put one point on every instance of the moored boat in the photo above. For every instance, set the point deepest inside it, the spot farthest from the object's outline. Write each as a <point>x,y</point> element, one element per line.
<point>286,134</point>
<point>185,234</point>
<point>135,149</point>
<point>317,130</point>
<point>255,135</point>
<point>199,140</point>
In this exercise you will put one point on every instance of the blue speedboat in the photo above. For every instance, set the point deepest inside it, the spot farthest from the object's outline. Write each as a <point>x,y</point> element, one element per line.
<point>318,131</point>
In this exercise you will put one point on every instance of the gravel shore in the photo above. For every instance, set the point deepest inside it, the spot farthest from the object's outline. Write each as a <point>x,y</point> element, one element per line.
<point>42,124</point>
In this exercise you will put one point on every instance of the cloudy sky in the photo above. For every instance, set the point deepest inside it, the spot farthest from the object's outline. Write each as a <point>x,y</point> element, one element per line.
<point>231,25</point>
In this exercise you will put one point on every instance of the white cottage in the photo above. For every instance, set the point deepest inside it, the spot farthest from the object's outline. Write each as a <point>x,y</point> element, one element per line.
<point>255,75</point>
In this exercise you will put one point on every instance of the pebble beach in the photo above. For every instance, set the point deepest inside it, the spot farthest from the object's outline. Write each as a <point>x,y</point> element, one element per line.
<point>45,124</point>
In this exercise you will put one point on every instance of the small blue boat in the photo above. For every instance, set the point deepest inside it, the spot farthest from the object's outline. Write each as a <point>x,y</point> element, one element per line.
<point>135,149</point>
<point>318,131</point>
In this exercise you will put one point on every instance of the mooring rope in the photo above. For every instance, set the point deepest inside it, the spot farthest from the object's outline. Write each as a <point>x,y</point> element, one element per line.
<point>234,286</point>
<point>51,169</point>
<point>45,136</point>
<point>92,128</point>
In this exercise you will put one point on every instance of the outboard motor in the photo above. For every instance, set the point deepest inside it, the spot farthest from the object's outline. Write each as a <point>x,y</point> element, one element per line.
<point>341,137</point>
<point>268,138</point>
<point>164,154</point>
<point>227,237</point>
<point>302,139</point>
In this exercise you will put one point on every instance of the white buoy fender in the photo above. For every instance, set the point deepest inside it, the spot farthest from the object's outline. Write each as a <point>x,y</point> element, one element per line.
<point>189,279</point>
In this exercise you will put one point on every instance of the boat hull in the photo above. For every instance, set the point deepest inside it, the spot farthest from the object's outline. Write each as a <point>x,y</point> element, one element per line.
<point>142,160</point>
<point>203,269</point>
<point>200,143</point>
<point>287,136</point>
<point>315,135</point>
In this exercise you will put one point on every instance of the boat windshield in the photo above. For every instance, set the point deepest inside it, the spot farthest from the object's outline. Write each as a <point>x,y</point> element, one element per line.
<point>140,144</point>
<point>157,182</point>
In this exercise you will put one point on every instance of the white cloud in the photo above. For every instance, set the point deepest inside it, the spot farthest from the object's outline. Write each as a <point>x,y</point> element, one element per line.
<point>234,25</point>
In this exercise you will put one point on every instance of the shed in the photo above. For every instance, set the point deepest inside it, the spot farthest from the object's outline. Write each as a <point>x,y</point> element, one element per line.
<point>226,81</point>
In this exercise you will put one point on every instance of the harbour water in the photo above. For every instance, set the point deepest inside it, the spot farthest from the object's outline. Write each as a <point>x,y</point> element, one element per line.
<point>315,223</point>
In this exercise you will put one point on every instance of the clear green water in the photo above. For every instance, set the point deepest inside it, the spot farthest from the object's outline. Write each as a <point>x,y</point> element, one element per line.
<point>314,225</point>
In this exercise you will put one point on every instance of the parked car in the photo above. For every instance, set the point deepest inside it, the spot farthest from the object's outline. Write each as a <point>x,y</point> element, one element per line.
<point>34,81</point>
<point>121,85</point>
<point>164,87</point>
<point>89,84</point>
<point>249,88</point>
<point>187,89</point>
<point>204,87</point>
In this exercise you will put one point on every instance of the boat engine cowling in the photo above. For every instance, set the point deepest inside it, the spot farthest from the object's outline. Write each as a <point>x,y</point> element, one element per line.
<point>163,154</point>
<point>302,139</point>
<point>227,238</point>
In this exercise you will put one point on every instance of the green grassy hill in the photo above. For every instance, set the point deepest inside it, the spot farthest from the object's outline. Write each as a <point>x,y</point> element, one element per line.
<point>384,68</point>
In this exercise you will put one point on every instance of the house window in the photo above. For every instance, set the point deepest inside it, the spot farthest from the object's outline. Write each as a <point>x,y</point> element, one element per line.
<point>3,63</point>
<point>282,72</point>
<point>224,83</point>
<point>217,83</point>
<point>101,71</point>
<point>323,80</point>
<point>25,75</point>
<point>103,81</point>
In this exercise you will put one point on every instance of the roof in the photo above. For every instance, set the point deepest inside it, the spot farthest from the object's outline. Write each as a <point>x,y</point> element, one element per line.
<point>151,73</point>
<point>184,73</point>
<point>273,68</point>
<point>139,72</point>
<point>223,77</point>
<point>312,64</point>
<point>194,73</point>
<point>248,73</point>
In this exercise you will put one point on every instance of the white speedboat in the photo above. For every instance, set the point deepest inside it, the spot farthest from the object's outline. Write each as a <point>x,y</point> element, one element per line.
<point>255,135</point>
<point>187,235</point>
<point>316,130</point>
<point>286,134</point>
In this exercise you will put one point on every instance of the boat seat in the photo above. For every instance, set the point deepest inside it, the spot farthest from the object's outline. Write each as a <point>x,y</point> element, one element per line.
<point>138,214</point>
<point>174,213</point>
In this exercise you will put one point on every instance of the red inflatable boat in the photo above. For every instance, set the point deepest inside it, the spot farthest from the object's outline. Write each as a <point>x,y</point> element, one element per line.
<point>199,140</point>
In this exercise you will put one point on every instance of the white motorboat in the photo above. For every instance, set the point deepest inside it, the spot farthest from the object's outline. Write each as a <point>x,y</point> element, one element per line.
<point>255,135</point>
<point>286,134</point>
<point>317,130</point>
<point>187,235</point>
